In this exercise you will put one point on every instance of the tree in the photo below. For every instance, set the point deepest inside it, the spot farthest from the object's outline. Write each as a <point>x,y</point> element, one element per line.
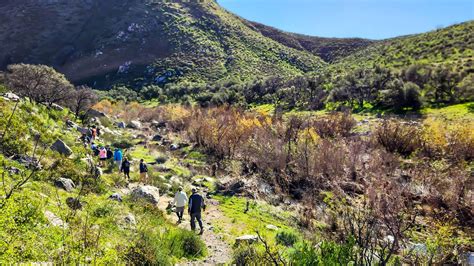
<point>82,99</point>
<point>39,83</point>
<point>444,82</point>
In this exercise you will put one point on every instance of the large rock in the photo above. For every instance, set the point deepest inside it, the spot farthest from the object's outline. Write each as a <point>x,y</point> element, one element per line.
<point>65,183</point>
<point>157,138</point>
<point>95,113</point>
<point>174,147</point>
<point>130,220</point>
<point>121,125</point>
<point>116,197</point>
<point>248,239</point>
<point>135,124</point>
<point>11,97</point>
<point>74,203</point>
<point>149,193</point>
<point>55,220</point>
<point>61,147</point>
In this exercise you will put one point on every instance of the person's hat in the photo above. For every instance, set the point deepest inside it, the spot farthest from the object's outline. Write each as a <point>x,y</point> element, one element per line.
<point>194,190</point>
<point>180,188</point>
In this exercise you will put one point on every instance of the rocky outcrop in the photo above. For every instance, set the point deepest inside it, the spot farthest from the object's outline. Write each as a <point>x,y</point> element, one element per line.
<point>61,147</point>
<point>65,183</point>
<point>148,193</point>
<point>135,124</point>
<point>55,220</point>
<point>246,239</point>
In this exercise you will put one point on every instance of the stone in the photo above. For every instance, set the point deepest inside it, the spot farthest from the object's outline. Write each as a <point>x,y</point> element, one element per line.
<point>157,138</point>
<point>121,125</point>
<point>149,193</point>
<point>57,107</point>
<point>352,187</point>
<point>248,239</point>
<point>174,147</point>
<point>272,227</point>
<point>71,124</point>
<point>82,130</point>
<point>61,147</point>
<point>74,203</point>
<point>130,220</point>
<point>135,124</point>
<point>55,220</point>
<point>11,97</point>
<point>95,113</point>
<point>116,197</point>
<point>65,183</point>
<point>28,161</point>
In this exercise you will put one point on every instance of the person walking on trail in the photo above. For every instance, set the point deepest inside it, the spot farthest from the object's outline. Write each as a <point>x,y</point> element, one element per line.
<point>196,205</point>
<point>126,168</point>
<point>118,156</point>
<point>143,171</point>
<point>94,133</point>
<point>102,156</point>
<point>180,200</point>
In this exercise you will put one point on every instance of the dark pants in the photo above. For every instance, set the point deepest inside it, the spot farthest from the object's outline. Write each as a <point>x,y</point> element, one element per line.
<point>193,222</point>
<point>180,212</point>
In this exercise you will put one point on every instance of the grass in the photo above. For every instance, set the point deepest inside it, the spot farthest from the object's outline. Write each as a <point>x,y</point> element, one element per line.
<point>464,111</point>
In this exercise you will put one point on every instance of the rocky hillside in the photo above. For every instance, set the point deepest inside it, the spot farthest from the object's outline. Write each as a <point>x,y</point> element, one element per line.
<point>142,41</point>
<point>329,49</point>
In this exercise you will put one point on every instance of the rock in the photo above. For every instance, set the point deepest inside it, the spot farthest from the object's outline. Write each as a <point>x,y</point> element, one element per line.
<point>74,203</point>
<point>157,138</point>
<point>130,220</point>
<point>71,124</point>
<point>13,170</point>
<point>272,227</point>
<point>157,124</point>
<point>235,188</point>
<point>57,107</point>
<point>65,183</point>
<point>121,125</point>
<point>11,97</point>
<point>135,124</point>
<point>352,187</point>
<point>55,220</point>
<point>29,162</point>
<point>165,142</point>
<point>116,197</point>
<point>174,147</point>
<point>248,239</point>
<point>82,130</point>
<point>61,147</point>
<point>149,193</point>
<point>95,113</point>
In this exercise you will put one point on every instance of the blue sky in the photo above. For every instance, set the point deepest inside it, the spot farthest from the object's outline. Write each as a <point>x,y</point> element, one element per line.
<point>374,19</point>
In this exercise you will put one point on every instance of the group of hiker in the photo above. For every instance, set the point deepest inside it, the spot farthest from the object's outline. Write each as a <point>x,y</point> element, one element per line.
<point>196,205</point>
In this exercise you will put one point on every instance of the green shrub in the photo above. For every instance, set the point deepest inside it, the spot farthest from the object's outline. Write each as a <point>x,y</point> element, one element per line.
<point>186,244</point>
<point>246,255</point>
<point>286,238</point>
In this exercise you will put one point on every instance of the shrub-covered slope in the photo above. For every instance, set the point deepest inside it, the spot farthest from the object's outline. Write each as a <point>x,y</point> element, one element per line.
<point>142,41</point>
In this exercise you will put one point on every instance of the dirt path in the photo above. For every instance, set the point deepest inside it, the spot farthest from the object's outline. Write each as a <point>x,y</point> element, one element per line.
<point>219,252</point>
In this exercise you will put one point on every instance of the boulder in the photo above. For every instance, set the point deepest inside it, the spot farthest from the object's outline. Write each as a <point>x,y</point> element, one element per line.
<point>65,183</point>
<point>149,193</point>
<point>272,227</point>
<point>174,147</point>
<point>121,125</point>
<point>95,113</point>
<point>61,147</point>
<point>130,220</point>
<point>157,138</point>
<point>55,220</point>
<point>116,197</point>
<point>135,124</point>
<point>11,97</point>
<point>157,124</point>
<point>246,239</point>
<point>74,203</point>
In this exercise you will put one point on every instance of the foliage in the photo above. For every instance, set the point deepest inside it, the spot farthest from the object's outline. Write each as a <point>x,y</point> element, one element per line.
<point>286,238</point>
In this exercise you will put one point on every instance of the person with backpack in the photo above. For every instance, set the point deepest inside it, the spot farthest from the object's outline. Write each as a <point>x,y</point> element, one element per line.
<point>180,199</point>
<point>126,168</point>
<point>143,172</point>
<point>102,156</point>
<point>118,156</point>
<point>196,205</point>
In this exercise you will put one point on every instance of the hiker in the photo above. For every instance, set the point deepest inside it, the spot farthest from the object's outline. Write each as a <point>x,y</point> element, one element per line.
<point>94,149</point>
<point>94,133</point>
<point>102,156</point>
<point>179,201</point>
<point>196,204</point>
<point>143,171</point>
<point>118,157</point>
<point>126,168</point>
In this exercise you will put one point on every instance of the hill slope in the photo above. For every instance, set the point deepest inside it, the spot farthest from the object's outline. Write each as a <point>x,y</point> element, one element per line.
<point>142,41</point>
<point>450,45</point>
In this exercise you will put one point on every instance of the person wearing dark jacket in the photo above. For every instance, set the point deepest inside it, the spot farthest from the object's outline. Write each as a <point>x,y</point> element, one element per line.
<point>126,168</point>
<point>143,172</point>
<point>196,205</point>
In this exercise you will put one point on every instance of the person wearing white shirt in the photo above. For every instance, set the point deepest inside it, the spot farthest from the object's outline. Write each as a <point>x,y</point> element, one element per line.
<point>180,200</point>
